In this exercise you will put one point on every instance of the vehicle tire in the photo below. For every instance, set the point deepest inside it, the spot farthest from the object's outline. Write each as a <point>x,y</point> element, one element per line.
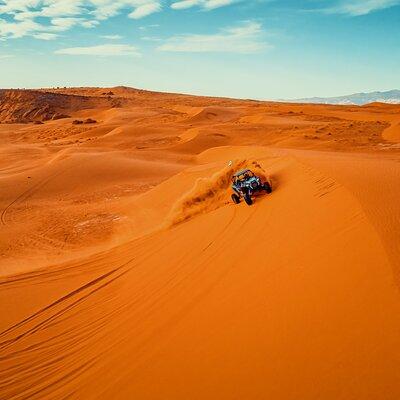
<point>267,187</point>
<point>235,198</point>
<point>247,199</point>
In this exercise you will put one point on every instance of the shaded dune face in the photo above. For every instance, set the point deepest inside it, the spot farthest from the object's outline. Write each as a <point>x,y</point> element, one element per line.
<point>21,106</point>
<point>127,272</point>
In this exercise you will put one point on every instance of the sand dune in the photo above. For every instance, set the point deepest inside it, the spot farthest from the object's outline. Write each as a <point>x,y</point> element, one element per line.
<point>126,271</point>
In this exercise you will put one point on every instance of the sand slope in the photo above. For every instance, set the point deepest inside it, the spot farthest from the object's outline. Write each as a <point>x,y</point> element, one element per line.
<point>169,291</point>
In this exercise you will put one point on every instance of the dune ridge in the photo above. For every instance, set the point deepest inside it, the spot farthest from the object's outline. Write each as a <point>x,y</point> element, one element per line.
<point>210,193</point>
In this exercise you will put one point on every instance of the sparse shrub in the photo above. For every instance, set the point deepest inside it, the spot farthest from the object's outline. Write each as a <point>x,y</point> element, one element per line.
<point>90,121</point>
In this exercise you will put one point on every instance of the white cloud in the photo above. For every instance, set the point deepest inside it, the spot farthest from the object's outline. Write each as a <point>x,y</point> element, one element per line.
<point>146,27</point>
<point>360,7</point>
<point>44,19</point>
<point>45,36</point>
<point>151,39</point>
<point>245,38</point>
<point>111,37</point>
<point>18,29</point>
<point>90,24</point>
<point>104,9</point>
<point>104,50</point>
<point>19,18</point>
<point>64,24</point>
<point>211,4</point>
<point>5,56</point>
<point>206,4</point>
<point>182,5</point>
<point>145,9</point>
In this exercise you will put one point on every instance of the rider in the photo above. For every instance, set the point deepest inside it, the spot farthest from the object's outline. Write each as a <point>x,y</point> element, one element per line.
<point>237,184</point>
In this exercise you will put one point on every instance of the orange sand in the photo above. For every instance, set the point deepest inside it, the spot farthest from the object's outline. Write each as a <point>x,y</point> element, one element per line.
<point>126,272</point>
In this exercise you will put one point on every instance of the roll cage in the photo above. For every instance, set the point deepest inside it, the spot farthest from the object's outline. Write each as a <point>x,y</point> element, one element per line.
<point>242,176</point>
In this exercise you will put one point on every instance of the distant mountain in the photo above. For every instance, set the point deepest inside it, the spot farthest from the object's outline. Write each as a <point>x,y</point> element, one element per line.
<point>390,97</point>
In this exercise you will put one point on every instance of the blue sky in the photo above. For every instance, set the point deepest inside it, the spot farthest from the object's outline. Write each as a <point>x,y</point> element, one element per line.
<point>263,49</point>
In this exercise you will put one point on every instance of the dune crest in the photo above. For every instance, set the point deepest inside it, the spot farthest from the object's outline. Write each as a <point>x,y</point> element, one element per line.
<point>208,194</point>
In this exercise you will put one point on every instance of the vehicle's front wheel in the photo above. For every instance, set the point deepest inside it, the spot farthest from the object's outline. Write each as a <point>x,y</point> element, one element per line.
<point>247,199</point>
<point>235,198</point>
<point>267,187</point>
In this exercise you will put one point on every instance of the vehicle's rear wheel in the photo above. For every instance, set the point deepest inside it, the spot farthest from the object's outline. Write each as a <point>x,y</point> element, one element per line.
<point>235,198</point>
<point>267,187</point>
<point>247,199</point>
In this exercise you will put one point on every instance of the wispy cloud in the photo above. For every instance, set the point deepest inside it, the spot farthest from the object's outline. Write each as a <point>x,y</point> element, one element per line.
<point>360,7</point>
<point>145,9</point>
<point>45,19</point>
<point>206,4</point>
<point>244,38</point>
<point>45,36</point>
<point>146,27</point>
<point>111,37</point>
<point>184,4</point>
<point>104,50</point>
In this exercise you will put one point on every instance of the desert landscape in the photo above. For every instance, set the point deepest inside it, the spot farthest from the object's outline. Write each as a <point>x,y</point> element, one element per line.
<point>126,271</point>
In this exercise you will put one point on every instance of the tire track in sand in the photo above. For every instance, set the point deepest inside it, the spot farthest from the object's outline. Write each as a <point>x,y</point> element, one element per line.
<point>27,193</point>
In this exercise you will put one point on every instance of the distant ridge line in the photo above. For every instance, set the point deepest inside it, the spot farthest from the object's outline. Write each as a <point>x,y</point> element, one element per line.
<point>389,97</point>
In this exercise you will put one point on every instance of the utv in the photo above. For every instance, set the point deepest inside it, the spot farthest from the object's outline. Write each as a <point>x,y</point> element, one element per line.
<point>245,183</point>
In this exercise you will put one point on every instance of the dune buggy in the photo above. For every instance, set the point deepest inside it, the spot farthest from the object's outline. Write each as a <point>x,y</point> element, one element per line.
<point>245,184</point>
